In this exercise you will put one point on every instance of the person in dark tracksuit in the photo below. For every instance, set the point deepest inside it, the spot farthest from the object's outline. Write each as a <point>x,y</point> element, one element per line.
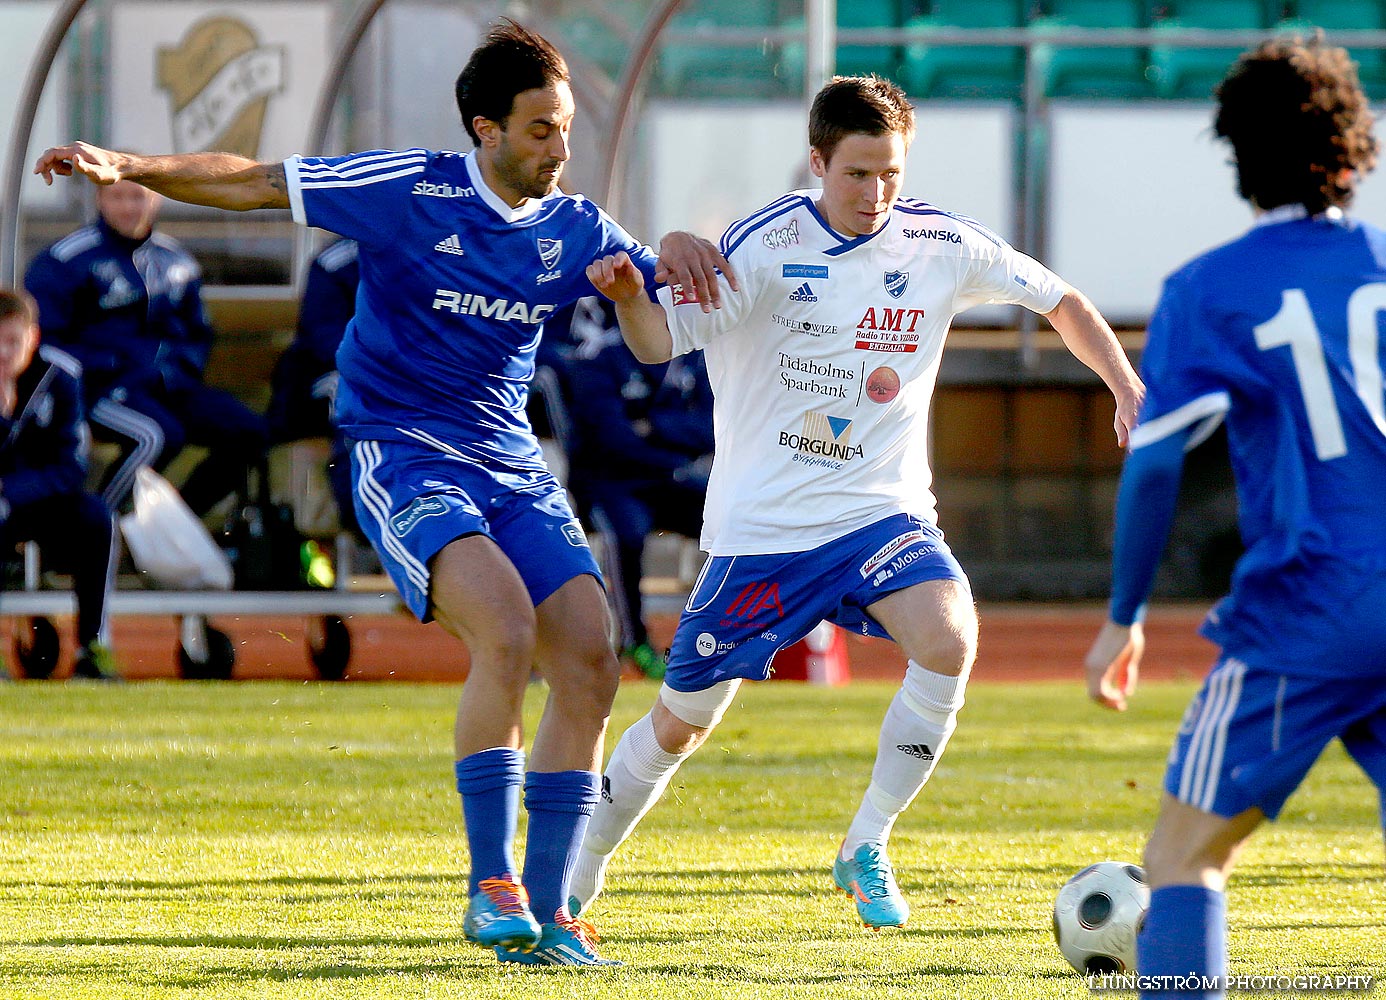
<point>642,452</point>
<point>126,302</point>
<point>305,379</point>
<point>43,454</point>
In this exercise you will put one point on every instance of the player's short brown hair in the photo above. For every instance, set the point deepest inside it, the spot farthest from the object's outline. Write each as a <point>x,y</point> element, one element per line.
<point>1296,118</point>
<point>851,105</point>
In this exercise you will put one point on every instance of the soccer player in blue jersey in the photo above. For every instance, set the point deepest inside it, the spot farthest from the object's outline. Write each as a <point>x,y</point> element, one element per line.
<point>1279,333</point>
<point>462,259</point>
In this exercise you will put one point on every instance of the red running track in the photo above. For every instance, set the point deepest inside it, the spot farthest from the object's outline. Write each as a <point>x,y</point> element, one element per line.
<point>1019,642</point>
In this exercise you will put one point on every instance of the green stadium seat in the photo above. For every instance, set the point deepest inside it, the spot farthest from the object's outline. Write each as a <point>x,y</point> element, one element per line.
<point>1192,73</point>
<point>694,70</point>
<point>1092,72</point>
<point>594,40</point>
<point>966,72</point>
<point>859,60</point>
<point>1336,15</point>
<point>852,60</point>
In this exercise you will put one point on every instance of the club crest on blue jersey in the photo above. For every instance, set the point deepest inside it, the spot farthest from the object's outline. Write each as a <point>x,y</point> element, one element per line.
<point>896,282</point>
<point>549,251</point>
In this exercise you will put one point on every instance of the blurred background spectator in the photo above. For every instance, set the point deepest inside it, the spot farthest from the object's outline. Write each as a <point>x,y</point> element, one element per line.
<point>304,384</point>
<point>126,302</point>
<point>640,456</point>
<point>43,466</point>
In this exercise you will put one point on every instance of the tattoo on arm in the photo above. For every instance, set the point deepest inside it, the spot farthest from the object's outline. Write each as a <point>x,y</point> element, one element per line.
<point>278,183</point>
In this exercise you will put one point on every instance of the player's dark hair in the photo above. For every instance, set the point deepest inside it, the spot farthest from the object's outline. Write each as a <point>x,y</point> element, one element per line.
<point>510,61</point>
<point>17,302</point>
<point>1296,118</point>
<point>852,105</point>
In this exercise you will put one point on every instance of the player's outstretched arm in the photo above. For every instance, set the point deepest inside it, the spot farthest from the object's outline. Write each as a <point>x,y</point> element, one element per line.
<point>217,180</point>
<point>642,322</point>
<point>1086,334</point>
<point>1113,664</point>
<point>693,262</point>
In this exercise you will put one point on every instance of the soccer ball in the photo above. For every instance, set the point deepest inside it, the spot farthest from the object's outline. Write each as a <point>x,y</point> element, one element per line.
<point>1098,914</point>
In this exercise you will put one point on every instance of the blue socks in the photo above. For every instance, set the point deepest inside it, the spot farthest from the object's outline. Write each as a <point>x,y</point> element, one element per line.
<point>489,783</point>
<point>559,804</point>
<point>1185,935</point>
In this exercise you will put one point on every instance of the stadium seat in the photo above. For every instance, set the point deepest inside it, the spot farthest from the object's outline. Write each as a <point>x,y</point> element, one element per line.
<point>595,40</point>
<point>965,72</point>
<point>851,59</point>
<point>1335,15</point>
<point>1092,72</point>
<point>688,69</point>
<point>1192,73</point>
<point>858,60</point>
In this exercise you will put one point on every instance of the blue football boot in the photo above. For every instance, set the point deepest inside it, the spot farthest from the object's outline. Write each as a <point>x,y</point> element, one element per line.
<point>867,876</point>
<point>499,915</point>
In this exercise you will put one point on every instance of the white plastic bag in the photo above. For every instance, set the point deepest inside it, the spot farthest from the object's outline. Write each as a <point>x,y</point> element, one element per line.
<point>168,542</point>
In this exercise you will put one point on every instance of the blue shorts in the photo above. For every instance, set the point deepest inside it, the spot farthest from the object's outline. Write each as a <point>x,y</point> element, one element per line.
<point>1251,735</point>
<point>413,500</point>
<point>745,608</point>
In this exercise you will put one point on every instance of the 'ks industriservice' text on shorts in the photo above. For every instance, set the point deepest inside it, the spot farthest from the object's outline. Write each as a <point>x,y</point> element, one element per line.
<point>745,608</point>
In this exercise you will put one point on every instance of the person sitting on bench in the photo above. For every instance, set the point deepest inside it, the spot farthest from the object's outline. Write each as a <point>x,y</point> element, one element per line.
<point>43,467</point>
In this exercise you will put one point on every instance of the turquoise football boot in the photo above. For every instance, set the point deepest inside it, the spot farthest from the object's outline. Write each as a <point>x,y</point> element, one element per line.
<point>568,941</point>
<point>868,878</point>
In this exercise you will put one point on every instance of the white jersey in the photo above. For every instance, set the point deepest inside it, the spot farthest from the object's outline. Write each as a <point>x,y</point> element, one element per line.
<point>824,363</point>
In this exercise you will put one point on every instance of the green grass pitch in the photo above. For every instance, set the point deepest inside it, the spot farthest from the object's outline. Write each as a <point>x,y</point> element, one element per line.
<point>278,840</point>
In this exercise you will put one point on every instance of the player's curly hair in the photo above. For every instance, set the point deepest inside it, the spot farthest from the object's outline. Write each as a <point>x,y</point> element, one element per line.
<point>17,302</point>
<point>850,105</point>
<point>1297,120</point>
<point>509,61</point>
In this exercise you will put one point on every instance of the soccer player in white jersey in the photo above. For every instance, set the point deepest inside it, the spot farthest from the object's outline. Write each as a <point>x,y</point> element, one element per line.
<point>1279,333</point>
<point>462,258</point>
<point>819,506</point>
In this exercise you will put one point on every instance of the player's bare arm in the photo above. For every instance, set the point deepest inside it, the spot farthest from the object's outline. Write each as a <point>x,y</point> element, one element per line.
<point>642,322</point>
<point>1113,664</point>
<point>1088,337</point>
<point>217,180</point>
<point>693,262</point>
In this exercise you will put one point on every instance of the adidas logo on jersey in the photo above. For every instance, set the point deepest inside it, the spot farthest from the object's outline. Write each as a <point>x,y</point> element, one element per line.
<point>803,294</point>
<point>606,790</point>
<point>451,245</point>
<point>916,750</point>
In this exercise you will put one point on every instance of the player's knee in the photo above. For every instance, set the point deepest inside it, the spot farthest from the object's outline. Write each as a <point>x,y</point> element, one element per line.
<point>950,649</point>
<point>584,674</point>
<point>503,638</point>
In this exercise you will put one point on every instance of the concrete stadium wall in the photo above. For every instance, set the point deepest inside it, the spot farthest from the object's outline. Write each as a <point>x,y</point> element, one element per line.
<point>1134,189</point>
<point>711,164</point>
<point>1137,190</point>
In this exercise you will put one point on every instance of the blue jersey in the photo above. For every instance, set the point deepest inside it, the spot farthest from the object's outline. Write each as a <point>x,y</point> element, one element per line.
<point>1280,334</point>
<point>455,288</point>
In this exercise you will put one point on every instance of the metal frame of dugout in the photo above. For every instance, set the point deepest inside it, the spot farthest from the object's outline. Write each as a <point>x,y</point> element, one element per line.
<point>203,652</point>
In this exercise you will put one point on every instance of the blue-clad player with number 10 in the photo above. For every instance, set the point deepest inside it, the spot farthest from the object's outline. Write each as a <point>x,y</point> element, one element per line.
<point>1279,333</point>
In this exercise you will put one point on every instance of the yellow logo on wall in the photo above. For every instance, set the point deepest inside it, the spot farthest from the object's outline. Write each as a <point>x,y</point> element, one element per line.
<point>220,79</point>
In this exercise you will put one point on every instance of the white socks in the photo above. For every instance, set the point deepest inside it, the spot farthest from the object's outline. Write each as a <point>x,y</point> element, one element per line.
<point>917,725</point>
<point>636,776</point>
